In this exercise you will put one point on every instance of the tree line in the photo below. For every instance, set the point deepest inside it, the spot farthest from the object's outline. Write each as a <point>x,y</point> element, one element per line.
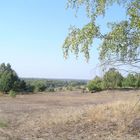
<point>113,79</point>
<point>52,85</point>
<point>9,81</point>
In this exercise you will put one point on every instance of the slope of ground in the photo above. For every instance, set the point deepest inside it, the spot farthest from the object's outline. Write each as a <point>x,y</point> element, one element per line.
<point>70,116</point>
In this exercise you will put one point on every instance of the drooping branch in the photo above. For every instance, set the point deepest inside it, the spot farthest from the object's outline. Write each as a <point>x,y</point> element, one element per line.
<point>121,46</point>
<point>79,40</point>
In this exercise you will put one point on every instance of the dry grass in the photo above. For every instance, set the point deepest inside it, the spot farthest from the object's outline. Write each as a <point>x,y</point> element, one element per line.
<point>120,113</point>
<point>55,117</point>
<point>99,116</point>
<point>1,94</point>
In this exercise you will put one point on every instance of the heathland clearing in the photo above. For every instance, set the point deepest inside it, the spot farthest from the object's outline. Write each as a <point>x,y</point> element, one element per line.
<point>70,116</point>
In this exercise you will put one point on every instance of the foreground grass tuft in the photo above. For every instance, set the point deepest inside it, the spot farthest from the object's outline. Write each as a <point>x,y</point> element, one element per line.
<point>3,124</point>
<point>1,94</point>
<point>12,93</point>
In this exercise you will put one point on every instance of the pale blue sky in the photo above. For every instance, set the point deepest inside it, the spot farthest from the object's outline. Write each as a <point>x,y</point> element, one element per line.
<point>32,33</point>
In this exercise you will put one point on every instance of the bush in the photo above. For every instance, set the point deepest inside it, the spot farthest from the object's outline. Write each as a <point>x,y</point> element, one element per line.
<point>50,89</point>
<point>112,79</point>
<point>131,81</point>
<point>30,88</point>
<point>12,93</point>
<point>69,88</point>
<point>95,85</point>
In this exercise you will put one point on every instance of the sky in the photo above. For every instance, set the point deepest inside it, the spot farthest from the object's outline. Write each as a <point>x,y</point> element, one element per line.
<point>32,33</point>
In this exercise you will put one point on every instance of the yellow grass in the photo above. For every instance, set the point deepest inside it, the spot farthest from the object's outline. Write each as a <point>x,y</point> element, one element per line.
<point>121,113</point>
<point>1,94</point>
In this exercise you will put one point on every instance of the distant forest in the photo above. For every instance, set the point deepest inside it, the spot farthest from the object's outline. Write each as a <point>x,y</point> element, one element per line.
<point>51,85</point>
<point>11,83</point>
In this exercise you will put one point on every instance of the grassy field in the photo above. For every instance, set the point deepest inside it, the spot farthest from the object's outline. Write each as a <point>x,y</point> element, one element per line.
<point>108,115</point>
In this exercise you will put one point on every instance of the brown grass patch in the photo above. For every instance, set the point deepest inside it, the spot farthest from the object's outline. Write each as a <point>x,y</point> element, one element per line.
<point>75,116</point>
<point>120,113</point>
<point>1,94</point>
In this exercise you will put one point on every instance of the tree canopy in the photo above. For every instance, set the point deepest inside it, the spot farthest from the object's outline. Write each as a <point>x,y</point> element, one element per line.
<point>113,79</point>
<point>121,46</point>
<point>9,80</point>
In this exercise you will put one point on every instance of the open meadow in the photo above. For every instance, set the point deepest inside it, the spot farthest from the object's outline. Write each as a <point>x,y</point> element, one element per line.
<point>107,115</point>
<point>70,70</point>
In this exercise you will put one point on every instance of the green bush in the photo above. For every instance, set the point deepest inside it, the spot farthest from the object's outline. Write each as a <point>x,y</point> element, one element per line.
<point>95,85</point>
<point>112,79</point>
<point>50,90</point>
<point>12,93</point>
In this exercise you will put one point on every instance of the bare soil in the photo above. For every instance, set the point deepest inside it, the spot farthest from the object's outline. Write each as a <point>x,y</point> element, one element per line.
<point>62,116</point>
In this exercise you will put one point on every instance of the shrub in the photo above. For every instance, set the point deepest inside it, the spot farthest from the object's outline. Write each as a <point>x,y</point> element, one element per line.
<point>30,88</point>
<point>112,79</point>
<point>131,81</point>
<point>12,94</point>
<point>50,89</point>
<point>69,88</point>
<point>95,85</point>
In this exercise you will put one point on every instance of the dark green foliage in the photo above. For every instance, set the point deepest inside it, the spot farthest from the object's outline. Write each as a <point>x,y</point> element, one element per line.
<point>20,86</point>
<point>7,77</point>
<point>39,86</point>
<point>95,84</point>
<point>9,80</point>
<point>29,88</point>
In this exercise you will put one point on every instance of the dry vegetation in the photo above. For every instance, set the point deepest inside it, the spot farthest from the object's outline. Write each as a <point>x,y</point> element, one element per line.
<point>71,116</point>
